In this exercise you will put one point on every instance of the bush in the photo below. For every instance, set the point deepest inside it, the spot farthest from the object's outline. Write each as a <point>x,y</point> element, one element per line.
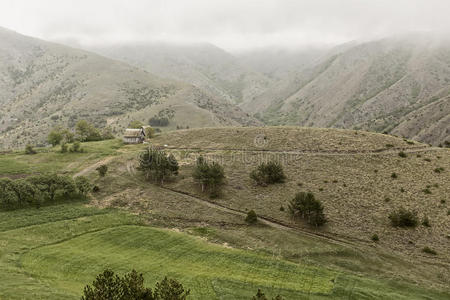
<point>63,148</point>
<point>403,218</point>
<point>268,173</point>
<point>76,147</point>
<point>394,175</point>
<point>251,218</point>
<point>375,238</point>
<point>260,296</point>
<point>102,170</point>
<point>429,251</point>
<point>29,149</point>
<point>439,170</point>
<point>87,132</point>
<point>306,206</point>
<point>402,154</point>
<point>211,176</point>
<point>426,222</point>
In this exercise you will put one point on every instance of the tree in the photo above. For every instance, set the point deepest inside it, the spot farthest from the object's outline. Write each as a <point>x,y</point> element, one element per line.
<point>149,132</point>
<point>107,133</point>
<point>170,289</point>
<point>109,286</point>
<point>268,173</point>
<point>83,185</point>
<point>209,175</point>
<point>156,165</point>
<point>86,132</point>
<point>135,124</point>
<point>304,205</point>
<point>55,136</point>
<point>29,149</point>
<point>251,218</point>
<point>102,170</point>
<point>63,147</point>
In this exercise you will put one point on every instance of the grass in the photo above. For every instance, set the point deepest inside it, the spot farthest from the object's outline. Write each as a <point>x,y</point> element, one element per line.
<point>51,160</point>
<point>52,252</point>
<point>39,245</point>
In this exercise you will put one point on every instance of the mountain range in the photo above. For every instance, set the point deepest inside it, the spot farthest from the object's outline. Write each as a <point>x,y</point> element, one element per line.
<point>398,85</point>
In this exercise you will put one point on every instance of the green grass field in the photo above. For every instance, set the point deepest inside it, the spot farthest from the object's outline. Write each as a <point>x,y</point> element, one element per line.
<point>54,251</point>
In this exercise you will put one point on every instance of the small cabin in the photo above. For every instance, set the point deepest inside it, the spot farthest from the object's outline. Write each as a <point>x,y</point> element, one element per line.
<point>134,136</point>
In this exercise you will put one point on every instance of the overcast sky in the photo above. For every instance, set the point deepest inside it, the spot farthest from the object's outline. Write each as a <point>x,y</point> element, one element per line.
<point>230,24</point>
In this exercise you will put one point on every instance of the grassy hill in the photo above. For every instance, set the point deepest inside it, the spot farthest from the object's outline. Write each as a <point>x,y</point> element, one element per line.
<point>210,248</point>
<point>44,84</point>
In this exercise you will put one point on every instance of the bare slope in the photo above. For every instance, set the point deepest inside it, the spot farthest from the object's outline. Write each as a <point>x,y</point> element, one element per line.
<point>44,84</point>
<point>400,85</point>
<point>349,171</point>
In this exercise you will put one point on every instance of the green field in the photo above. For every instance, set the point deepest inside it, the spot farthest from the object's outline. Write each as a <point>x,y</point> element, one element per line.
<point>54,251</point>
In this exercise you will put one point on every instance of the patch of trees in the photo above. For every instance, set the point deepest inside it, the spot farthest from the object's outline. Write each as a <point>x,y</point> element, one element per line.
<point>84,132</point>
<point>109,286</point>
<point>306,206</point>
<point>210,176</point>
<point>163,118</point>
<point>268,173</point>
<point>157,165</point>
<point>40,190</point>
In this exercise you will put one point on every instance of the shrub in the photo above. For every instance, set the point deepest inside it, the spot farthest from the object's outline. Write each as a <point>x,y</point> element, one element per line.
<point>96,189</point>
<point>375,238</point>
<point>251,218</point>
<point>83,185</point>
<point>102,170</point>
<point>63,148</point>
<point>210,176</point>
<point>304,205</point>
<point>394,175</point>
<point>268,173</point>
<point>76,147</point>
<point>260,296</point>
<point>426,222</point>
<point>439,170</point>
<point>429,251</point>
<point>281,208</point>
<point>86,132</point>
<point>403,218</point>
<point>402,154</point>
<point>426,191</point>
<point>29,149</point>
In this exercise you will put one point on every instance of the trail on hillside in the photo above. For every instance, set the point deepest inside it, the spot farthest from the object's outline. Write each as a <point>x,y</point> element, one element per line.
<point>94,166</point>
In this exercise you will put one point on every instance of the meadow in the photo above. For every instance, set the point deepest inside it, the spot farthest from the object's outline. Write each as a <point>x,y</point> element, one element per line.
<point>175,230</point>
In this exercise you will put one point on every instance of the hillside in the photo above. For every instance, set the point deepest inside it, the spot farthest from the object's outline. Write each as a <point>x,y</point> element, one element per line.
<point>349,171</point>
<point>400,85</point>
<point>44,84</point>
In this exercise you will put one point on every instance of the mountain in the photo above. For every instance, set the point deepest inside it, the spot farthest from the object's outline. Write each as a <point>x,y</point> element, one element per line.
<point>399,85</point>
<point>203,65</point>
<point>44,84</point>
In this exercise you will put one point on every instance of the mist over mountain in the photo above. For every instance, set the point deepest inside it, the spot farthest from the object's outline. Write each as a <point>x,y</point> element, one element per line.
<point>44,84</point>
<point>398,85</point>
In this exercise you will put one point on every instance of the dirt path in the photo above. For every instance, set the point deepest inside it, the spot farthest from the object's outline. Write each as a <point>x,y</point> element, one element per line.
<point>94,166</point>
<point>317,152</point>
<point>264,220</point>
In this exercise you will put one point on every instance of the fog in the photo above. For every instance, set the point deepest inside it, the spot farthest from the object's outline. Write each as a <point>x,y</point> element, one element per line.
<point>233,25</point>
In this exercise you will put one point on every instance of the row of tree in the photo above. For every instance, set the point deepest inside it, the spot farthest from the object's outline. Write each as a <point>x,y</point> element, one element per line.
<point>110,286</point>
<point>84,132</point>
<point>41,190</point>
